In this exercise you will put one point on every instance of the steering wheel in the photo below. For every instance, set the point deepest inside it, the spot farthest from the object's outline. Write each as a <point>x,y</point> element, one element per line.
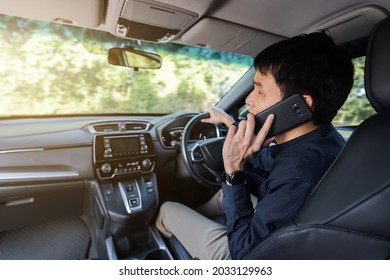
<point>202,158</point>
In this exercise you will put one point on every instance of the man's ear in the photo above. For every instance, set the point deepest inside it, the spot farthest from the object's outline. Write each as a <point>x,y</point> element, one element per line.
<point>309,100</point>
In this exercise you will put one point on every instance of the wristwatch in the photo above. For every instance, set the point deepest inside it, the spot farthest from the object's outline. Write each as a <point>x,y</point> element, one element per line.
<point>236,178</point>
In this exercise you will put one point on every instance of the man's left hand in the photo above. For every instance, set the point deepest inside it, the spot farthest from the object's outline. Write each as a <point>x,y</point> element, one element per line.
<point>241,143</point>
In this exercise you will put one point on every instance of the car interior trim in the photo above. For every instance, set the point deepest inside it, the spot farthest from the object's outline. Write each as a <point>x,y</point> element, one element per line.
<point>36,175</point>
<point>21,151</point>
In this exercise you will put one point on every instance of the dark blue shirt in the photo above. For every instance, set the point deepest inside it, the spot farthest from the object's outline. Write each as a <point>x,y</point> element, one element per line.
<point>292,169</point>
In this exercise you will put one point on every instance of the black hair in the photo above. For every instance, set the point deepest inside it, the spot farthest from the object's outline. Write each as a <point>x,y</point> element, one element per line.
<point>310,64</point>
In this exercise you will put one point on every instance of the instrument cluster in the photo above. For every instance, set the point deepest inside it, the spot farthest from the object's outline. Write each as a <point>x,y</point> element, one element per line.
<point>172,135</point>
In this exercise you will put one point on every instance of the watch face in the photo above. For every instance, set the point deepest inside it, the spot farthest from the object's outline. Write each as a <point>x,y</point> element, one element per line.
<point>238,178</point>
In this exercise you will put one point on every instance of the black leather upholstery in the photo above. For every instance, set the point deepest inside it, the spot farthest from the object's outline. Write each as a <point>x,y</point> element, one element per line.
<point>348,214</point>
<point>377,66</point>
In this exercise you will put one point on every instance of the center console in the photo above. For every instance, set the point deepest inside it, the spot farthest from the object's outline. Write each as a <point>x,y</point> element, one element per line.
<point>124,164</point>
<point>119,154</point>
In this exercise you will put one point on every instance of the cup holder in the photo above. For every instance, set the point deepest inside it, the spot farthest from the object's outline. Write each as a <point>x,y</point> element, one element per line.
<point>158,254</point>
<point>144,244</point>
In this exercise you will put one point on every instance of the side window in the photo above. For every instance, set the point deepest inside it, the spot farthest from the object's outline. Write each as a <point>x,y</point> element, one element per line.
<point>356,108</point>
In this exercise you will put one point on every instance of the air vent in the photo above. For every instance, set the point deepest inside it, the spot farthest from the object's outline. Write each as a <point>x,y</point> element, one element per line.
<point>136,126</point>
<point>118,127</point>
<point>107,127</point>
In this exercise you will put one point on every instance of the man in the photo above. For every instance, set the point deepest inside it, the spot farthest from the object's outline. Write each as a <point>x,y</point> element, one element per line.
<point>312,66</point>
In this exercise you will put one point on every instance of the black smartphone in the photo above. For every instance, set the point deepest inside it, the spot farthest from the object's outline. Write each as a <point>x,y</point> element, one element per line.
<point>289,113</point>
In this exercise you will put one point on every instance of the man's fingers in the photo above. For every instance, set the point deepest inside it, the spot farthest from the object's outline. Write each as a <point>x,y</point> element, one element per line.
<point>263,132</point>
<point>250,127</point>
<point>232,131</point>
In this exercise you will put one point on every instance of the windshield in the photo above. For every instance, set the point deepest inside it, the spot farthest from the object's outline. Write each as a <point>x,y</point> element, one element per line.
<point>53,69</point>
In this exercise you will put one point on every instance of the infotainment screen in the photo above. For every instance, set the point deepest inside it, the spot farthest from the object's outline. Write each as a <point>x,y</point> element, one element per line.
<point>125,144</point>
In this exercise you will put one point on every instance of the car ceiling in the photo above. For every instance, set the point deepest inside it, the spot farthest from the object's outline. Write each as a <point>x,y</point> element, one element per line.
<point>242,26</point>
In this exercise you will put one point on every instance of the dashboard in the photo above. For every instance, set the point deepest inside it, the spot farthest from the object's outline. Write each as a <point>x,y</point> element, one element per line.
<point>63,144</point>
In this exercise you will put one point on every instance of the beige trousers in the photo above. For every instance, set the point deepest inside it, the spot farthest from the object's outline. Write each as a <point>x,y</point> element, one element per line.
<point>202,237</point>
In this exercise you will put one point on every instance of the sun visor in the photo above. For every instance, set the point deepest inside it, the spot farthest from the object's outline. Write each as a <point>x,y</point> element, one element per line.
<point>85,13</point>
<point>354,24</point>
<point>226,36</point>
<point>151,21</point>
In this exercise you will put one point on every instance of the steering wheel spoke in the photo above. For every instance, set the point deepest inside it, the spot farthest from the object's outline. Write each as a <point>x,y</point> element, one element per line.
<point>196,155</point>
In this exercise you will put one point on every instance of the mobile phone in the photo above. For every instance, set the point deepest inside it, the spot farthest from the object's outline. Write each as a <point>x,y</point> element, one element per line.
<point>289,113</point>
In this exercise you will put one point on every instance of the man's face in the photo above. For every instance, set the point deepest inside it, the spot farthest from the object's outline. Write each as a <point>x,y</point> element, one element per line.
<point>265,93</point>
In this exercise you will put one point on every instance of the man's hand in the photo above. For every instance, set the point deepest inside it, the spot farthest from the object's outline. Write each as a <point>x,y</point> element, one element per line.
<point>241,143</point>
<point>218,116</point>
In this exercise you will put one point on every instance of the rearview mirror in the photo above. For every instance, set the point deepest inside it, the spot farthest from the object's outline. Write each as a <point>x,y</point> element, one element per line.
<point>129,57</point>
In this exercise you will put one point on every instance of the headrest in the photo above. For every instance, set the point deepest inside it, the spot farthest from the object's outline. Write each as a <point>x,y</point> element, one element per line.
<point>377,69</point>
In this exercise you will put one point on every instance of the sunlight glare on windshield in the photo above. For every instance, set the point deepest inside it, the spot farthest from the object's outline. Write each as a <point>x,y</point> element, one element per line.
<point>48,70</point>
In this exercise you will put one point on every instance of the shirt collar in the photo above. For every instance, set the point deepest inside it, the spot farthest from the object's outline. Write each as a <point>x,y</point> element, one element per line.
<point>275,148</point>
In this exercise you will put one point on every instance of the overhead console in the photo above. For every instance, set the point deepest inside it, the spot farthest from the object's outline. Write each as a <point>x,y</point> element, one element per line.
<point>152,21</point>
<point>121,154</point>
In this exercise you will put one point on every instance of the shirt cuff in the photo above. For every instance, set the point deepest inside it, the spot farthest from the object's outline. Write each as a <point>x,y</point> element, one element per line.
<point>236,197</point>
